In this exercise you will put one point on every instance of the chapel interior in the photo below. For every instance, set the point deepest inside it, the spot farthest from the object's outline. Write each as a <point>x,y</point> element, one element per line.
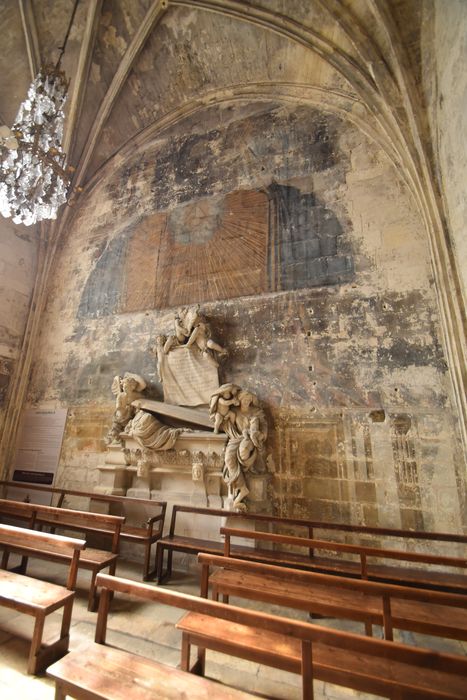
<point>287,179</point>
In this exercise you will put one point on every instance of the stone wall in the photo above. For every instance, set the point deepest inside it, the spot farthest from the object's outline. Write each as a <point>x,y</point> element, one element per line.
<point>445,90</point>
<point>18,253</point>
<point>311,262</point>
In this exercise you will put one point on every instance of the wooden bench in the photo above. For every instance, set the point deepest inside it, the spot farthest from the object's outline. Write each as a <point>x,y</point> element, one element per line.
<point>107,673</point>
<point>366,664</point>
<point>391,607</point>
<point>39,516</point>
<point>38,598</point>
<point>176,542</point>
<point>402,575</point>
<point>145,534</point>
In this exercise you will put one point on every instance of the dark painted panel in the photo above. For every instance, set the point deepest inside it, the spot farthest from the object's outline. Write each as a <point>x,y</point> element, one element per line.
<point>101,295</point>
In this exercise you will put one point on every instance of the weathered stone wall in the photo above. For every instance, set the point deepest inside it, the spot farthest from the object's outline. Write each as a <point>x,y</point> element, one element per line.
<point>18,252</point>
<point>311,262</point>
<point>444,43</point>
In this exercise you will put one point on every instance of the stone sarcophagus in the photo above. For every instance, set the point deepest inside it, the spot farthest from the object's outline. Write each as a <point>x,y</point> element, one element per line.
<point>188,471</point>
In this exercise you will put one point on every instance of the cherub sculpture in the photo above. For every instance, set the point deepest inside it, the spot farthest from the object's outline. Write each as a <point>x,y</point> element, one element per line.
<point>192,329</point>
<point>220,405</point>
<point>126,389</point>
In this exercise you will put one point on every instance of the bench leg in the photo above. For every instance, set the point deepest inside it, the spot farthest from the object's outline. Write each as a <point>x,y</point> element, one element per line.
<point>169,563</point>
<point>59,692</point>
<point>92,598</point>
<point>368,629</point>
<point>66,619</point>
<point>5,558</point>
<point>199,666</point>
<point>23,566</point>
<point>159,562</point>
<point>225,598</point>
<point>307,670</point>
<point>36,643</point>
<point>40,655</point>
<point>147,562</point>
<point>186,646</point>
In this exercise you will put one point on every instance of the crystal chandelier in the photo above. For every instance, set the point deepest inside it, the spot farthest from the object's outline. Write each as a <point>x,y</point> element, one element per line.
<point>33,178</point>
<point>33,181</point>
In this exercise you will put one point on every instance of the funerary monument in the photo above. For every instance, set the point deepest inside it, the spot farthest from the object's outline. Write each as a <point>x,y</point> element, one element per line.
<point>204,444</point>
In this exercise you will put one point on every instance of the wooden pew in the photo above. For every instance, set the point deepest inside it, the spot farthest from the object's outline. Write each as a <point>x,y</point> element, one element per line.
<point>92,559</point>
<point>108,673</point>
<point>39,598</point>
<point>176,542</point>
<point>402,575</point>
<point>391,607</point>
<point>145,534</point>
<point>366,664</point>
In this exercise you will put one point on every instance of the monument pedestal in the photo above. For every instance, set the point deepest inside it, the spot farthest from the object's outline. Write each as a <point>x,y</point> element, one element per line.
<point>190,473</point>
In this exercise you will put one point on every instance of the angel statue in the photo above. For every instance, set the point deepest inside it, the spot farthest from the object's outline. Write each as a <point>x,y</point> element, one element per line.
<point>126,389</point>
<point>238,412</point>
<point>192,330</point>
<point>220,406</point>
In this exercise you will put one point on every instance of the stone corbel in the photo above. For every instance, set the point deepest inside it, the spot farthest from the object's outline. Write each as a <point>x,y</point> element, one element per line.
<point>144,463</point>
<point>197,471</point>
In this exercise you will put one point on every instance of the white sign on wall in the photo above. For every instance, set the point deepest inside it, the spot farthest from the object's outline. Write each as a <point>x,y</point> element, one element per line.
<point>38,451</point>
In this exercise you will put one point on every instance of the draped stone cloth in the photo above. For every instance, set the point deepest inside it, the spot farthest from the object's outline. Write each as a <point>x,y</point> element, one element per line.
<point>151,433</point>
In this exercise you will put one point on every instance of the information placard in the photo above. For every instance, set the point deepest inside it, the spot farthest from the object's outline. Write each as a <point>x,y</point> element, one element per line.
<point>38,452</point>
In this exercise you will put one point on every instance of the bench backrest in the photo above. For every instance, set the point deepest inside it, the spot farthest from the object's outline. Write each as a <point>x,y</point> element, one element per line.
<point>121,501</point>
<point>305,632</point>
<point>312,525</point>
<point>359,550</point>
<point>309,525</point>
<point>37,514</point>
<point>32,540</point>
<point>385,591</point>
<point>84,494</point>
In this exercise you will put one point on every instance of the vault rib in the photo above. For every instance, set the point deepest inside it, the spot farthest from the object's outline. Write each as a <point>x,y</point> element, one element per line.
<point>153,15</point>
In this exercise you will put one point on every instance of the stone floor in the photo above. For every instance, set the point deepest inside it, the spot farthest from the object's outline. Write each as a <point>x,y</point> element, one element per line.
<point>148,629</point>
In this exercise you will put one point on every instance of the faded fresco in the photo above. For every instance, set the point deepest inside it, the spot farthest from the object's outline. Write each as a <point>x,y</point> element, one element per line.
<point>222,246</point>
<point>311,261</point>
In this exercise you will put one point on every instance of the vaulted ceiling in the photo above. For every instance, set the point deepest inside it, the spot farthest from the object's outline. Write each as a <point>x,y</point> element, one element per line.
<point>136,66</point>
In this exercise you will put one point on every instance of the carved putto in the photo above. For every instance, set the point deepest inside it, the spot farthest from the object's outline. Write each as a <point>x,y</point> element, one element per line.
<point>126,389</point>
<point>221,405</point>
<point>192,330</point>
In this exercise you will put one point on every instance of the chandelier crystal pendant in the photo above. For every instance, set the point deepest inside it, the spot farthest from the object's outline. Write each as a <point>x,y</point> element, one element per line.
<point>33,179</point>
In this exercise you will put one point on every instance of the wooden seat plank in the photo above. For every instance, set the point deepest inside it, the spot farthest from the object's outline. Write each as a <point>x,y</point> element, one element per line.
<point>31,594</point>
<point>358,670</point>
<point>115,674</point>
